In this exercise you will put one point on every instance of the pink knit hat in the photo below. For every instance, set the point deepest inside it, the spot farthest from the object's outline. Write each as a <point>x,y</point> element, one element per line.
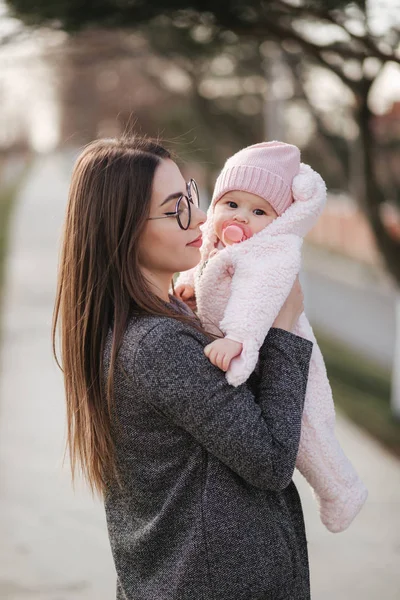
<point>266,169</point>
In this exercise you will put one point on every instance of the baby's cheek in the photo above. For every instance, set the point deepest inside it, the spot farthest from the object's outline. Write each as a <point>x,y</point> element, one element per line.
<point>218,228</point>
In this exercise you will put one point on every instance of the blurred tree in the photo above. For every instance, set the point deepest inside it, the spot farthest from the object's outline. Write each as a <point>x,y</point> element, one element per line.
<point>223,77</point>
<point>99,84</point>
<point>333,34</point>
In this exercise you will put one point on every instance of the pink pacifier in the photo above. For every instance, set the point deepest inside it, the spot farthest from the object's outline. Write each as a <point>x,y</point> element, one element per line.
<point>234,234</point>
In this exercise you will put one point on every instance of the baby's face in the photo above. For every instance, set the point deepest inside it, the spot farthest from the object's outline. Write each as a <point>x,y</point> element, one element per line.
<point>242,208</point>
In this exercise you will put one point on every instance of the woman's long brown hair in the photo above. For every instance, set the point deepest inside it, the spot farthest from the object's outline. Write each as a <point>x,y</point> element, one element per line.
<point>101,285</point>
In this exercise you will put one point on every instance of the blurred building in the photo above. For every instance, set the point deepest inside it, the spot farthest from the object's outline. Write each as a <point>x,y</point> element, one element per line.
<point>386,130</point>
<point>344,228</point>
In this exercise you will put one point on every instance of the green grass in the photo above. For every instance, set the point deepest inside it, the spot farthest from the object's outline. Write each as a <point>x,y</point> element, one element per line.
<point>6,203</point>
<point>361,390</point>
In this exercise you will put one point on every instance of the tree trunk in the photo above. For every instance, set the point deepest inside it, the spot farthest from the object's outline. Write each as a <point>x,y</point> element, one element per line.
<point>396,363</point>
<point>274,126</point>
<point>389,247</point>
<point>373,194</point>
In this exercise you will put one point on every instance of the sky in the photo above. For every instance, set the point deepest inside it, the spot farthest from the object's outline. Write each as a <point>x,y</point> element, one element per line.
<point>23,77</point>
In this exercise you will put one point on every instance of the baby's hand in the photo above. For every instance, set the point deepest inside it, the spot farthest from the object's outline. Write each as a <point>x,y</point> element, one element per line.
<point>185,293</point>
<point>220,352</point>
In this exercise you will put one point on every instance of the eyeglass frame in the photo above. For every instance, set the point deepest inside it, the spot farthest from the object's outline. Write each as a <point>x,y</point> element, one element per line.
<point>189,202</point>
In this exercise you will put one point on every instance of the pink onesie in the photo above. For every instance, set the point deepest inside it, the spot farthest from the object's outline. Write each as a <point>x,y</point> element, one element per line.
<point>240,290</point>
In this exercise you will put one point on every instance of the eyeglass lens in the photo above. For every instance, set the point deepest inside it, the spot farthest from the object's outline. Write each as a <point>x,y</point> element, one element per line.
<point>193,192</point>
<point>184,212</point>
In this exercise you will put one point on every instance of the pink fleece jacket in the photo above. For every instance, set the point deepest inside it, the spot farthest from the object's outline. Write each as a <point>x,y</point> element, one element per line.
<point>240,290</point>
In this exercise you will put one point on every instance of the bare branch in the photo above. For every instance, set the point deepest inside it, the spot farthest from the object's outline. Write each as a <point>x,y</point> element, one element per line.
<point>371,49</point>
<point>279,32</point>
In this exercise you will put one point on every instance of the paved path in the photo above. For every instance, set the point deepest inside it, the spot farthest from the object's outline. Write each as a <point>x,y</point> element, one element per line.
<point>53,543</point>
<point>362,563</point>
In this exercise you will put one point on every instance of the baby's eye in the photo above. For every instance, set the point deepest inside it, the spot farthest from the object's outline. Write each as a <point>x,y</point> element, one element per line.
<point>232,202</point>
<point>259,211</point>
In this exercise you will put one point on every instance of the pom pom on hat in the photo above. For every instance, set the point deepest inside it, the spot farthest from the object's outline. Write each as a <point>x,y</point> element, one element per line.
<point>266,169</point>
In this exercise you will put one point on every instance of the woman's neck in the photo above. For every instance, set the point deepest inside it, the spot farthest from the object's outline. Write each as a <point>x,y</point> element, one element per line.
<point>159,283</point>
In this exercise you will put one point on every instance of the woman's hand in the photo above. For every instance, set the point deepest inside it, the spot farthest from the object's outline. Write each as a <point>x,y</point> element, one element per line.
<point>186,293</point>
<point>291,309</point>
<point>221,352</point>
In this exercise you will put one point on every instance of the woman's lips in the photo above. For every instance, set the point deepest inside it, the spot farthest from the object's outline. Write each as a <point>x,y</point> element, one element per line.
<point>196,243</point>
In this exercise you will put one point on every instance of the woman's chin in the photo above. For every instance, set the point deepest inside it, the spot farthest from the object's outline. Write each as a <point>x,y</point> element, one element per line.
<point>192,261</point>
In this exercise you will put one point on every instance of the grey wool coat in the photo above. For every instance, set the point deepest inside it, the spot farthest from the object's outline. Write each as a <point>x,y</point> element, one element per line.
<point>208,509</point>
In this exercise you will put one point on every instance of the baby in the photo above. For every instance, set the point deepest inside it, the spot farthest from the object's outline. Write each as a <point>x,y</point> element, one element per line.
<point>237,216</point>
<point>264,203</point>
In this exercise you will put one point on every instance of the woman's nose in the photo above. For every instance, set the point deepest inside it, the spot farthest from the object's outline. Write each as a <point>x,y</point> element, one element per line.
<point>198,216</point>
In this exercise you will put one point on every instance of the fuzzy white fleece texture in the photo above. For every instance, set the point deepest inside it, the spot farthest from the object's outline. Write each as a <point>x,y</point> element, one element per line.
<point>240,289</point>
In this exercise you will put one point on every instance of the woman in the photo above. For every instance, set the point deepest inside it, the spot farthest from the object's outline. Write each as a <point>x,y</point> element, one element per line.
<point>196,475</point>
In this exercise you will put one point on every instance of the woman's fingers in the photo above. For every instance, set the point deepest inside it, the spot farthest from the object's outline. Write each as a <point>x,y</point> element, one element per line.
<point>185,292</point>
<point>291,308</point>
<point>179,290</point>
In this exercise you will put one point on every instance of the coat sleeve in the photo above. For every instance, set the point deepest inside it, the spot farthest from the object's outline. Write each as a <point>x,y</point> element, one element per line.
<point>257,437</point>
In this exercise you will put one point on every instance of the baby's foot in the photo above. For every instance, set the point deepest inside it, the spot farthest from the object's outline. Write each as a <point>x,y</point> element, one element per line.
<point>338,514</point>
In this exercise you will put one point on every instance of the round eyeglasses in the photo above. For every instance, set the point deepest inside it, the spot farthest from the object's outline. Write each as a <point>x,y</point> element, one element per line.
<point>183,211</point>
